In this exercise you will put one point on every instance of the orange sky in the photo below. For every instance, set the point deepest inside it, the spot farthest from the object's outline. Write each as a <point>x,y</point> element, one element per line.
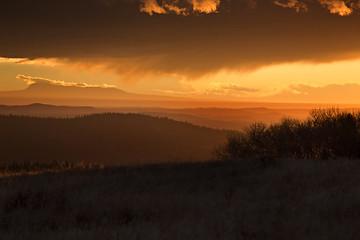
<point>335,82</point>
<point>246,50</point>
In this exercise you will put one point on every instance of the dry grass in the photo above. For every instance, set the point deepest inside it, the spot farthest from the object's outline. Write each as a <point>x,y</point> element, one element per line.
<point>250,199</point>
<point>29,168</point>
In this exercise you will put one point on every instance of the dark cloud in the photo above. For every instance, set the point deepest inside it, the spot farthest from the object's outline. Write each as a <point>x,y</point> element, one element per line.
<point>340,7</point>
<point>241,35</point>
<point>299,6</point>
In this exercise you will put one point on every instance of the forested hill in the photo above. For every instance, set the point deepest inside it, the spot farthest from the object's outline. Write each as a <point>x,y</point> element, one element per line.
<point>110,139</point>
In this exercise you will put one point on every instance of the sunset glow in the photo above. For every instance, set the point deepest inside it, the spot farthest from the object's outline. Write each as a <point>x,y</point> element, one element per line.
<point>179,119</point>
<point>296,82</point>
<point>269,51</point>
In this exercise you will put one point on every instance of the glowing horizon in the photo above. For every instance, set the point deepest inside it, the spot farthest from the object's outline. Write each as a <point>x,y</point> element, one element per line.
<point>270,83</point>
<point>245,50</point>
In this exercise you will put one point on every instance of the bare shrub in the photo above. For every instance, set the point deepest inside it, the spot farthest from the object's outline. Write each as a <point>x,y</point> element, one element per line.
<point>326,134</point>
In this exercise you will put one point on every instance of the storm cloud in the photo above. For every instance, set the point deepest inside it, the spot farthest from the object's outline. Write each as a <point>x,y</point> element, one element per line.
<point>186,38</point>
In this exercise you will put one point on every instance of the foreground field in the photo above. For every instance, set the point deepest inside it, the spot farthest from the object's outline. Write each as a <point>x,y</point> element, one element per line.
<point>249,199</point>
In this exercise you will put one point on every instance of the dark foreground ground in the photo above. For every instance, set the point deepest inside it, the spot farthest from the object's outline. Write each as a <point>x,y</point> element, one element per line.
<point>288,199</point>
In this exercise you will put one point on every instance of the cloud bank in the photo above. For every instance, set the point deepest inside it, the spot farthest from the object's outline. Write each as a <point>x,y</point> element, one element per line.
<point>183,38</point>
<point>36,80</point>
<point>296,4</point>
<point>187,7</point>
<point>330,93</point>
<point>179,7</point>
<point>340,7</point>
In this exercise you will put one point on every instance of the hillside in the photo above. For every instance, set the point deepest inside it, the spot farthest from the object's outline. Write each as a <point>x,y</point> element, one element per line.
<point>219,118</point>
<point>260,190</point>
<point>110,139</point>
<point>45,110</point>
<point>293,199</point>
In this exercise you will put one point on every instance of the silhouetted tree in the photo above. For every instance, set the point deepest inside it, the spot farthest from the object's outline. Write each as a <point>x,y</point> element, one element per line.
<point>327,133</point>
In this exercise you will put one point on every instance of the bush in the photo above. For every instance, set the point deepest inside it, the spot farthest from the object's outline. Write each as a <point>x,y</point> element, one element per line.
<point>327,133</point>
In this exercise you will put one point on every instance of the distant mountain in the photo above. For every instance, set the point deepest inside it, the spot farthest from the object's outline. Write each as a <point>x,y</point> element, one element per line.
<point>49,93</point>
<point>90,96</point>
<point>47,90</point>
<point>45,110</point>
<point>50,90</point>
<point>218,118</point>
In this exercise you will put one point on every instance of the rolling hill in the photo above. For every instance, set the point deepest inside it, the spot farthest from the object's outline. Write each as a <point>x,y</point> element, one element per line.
<point>110,139</point>
<point>219,118</point>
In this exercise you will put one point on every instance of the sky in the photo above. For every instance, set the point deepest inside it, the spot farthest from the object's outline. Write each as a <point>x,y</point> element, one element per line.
<point>246,50</point>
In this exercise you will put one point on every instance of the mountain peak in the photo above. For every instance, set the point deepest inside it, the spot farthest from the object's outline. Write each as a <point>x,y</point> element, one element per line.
<point>53,90</point>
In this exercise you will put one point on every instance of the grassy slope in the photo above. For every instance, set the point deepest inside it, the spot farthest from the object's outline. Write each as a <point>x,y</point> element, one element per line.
<point>290,199</point>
